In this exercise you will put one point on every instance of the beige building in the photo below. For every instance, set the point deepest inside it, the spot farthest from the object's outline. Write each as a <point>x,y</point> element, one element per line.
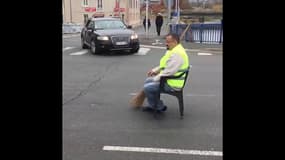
<point>78,11</point>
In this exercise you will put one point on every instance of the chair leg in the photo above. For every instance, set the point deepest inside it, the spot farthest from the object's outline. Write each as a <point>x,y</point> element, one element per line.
<point>155,106</point>
<point>181,105</point>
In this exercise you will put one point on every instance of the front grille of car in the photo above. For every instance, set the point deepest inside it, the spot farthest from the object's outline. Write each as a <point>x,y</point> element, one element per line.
<point>116,39</point>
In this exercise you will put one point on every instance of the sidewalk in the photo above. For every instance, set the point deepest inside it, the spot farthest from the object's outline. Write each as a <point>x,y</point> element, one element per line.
<point>152,38</point>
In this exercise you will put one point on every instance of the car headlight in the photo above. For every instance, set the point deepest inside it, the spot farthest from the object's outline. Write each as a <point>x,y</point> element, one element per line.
<point>103,38</point>
<point>134,36</point>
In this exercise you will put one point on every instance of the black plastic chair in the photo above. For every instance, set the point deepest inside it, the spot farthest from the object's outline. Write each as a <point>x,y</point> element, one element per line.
<point>178,94</point>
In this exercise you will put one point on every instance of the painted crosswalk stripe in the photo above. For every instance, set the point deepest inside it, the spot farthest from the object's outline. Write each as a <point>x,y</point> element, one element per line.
<point>163,150</point>
<point>204,54</point>
<point>142,51</point>
<point>79,53</point>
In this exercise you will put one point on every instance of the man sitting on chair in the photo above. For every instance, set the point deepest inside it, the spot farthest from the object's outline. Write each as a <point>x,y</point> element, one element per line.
<point>174,61</point>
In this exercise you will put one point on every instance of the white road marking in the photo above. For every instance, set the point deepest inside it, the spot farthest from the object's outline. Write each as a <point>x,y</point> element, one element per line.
<point>70,36</point>
<point>159,47</point>
<point>156,42</point>
<point>149,46</point>
<point>200,95</point>
<point>79,53</point>
<point>163,150</point>
<point>188,95</point>
<point>142,51</point>
<point>68,48</point>
<point>204,54</point>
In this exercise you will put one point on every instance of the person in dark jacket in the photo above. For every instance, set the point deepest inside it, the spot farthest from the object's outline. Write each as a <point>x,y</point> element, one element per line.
<point>148,23</point>
<point>158,23</point>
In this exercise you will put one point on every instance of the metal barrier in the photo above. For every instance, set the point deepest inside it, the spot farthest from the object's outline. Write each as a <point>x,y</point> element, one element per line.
<point>200,32</point>
<point>71,28</point>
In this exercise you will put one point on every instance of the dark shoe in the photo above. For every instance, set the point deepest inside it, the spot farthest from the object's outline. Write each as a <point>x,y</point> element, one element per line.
<point>147,109</point>
<point>150,109</point>
<point>163,109</point>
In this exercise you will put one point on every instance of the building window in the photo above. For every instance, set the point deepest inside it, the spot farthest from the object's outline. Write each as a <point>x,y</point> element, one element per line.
<point>85,3</point>
<point>99,4</point>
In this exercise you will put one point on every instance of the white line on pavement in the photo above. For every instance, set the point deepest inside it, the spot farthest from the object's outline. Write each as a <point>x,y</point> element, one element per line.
<point>79,53</point>
<point>142,51</point>
<point>68,48</point>
<point>188,95</point>
<point>70,36</point>
<point>163,150</point>
<point>204,54</point>
<point>159,47</point>
<point>201,95</point>
<point>149,46</point>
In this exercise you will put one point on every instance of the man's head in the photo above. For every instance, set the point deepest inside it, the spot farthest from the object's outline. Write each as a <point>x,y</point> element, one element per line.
<point>171,41</point>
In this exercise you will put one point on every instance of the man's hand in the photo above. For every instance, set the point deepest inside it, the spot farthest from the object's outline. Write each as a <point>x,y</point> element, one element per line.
<point>151,73</point>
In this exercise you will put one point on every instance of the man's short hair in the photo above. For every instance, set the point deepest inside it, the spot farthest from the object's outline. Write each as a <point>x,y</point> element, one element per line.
<point>174,36</point>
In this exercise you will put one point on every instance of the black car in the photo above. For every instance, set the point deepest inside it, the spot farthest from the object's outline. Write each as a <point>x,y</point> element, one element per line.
<point>108,34</point>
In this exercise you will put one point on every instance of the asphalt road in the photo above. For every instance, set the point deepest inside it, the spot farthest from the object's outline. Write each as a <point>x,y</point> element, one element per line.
<point>96,91</point>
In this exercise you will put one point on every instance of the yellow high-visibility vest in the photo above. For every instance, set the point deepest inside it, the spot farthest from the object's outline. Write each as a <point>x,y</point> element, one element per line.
<point>176,83</point>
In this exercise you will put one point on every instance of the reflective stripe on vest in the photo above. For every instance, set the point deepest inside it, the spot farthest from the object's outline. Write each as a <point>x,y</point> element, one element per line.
<point>176,83</point>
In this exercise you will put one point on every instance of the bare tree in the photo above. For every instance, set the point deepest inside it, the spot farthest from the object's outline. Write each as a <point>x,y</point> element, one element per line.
<point>184,4</point>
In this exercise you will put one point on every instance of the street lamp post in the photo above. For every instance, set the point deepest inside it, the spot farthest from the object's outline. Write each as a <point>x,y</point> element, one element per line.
<point>119,7</point>
<point>169,10</point>
<point>177,8</point>
<point>146,18</point>
<point>70,11</point>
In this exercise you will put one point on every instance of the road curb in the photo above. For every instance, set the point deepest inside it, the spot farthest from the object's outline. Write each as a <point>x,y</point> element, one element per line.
<point>70,35</point>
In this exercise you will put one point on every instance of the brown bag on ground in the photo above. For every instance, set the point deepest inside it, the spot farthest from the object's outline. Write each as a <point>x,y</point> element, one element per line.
<point>138,99</point>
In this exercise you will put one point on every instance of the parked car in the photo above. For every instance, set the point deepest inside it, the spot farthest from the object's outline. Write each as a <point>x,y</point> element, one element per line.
<point>108,34</point>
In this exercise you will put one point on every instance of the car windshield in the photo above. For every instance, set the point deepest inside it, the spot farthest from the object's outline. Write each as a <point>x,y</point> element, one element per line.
<point>109,24</point>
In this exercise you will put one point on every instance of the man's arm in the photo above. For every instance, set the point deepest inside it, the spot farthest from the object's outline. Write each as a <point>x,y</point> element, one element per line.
<point>154,71</point>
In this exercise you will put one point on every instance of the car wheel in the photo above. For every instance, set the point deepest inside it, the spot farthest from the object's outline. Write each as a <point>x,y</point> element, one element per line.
<point>93,48</point>
<point>83,45</point>
<point>133,51</point>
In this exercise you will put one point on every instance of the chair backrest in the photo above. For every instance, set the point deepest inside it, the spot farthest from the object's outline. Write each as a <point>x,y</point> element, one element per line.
<point>186,72</point>
<point>186,75</point>
<point>189,69</point>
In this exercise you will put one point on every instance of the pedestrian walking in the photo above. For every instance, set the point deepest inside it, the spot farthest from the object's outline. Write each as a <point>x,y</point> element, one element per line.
<point>158,23</point>
<point>144,23</point>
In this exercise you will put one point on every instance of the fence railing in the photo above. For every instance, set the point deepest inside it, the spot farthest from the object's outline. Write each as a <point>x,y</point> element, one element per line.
<point>200,32</point>
<point>71,28</point>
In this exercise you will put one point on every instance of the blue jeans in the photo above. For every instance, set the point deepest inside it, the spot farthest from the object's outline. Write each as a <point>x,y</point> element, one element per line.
<point>151,90</point>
